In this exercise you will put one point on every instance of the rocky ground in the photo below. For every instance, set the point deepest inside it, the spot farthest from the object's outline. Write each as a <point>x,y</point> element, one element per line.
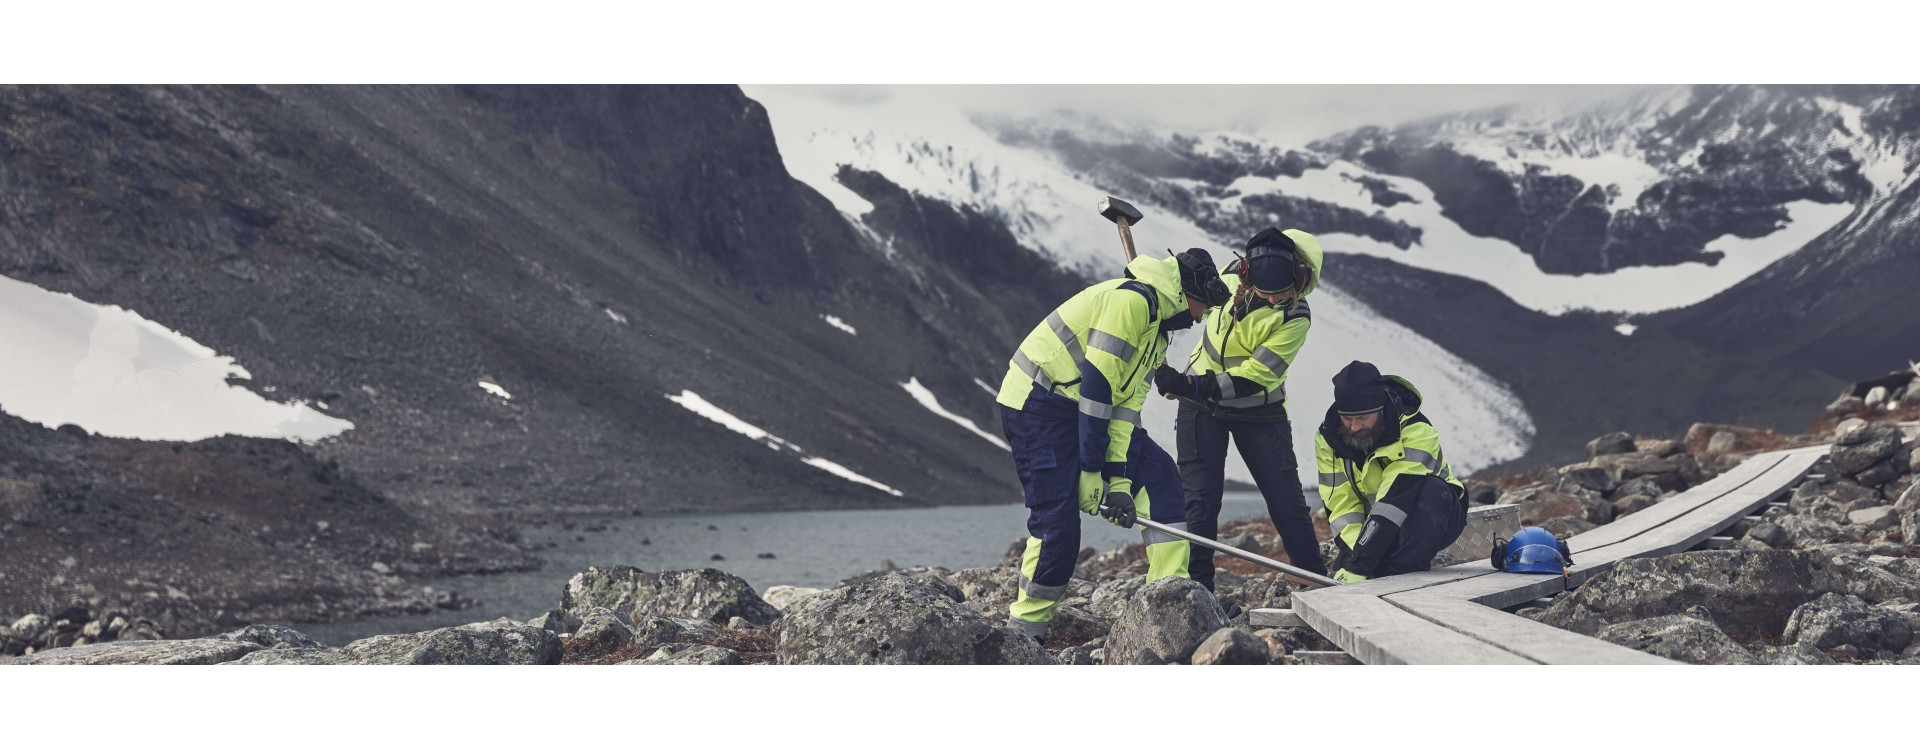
<point>1828,577</point>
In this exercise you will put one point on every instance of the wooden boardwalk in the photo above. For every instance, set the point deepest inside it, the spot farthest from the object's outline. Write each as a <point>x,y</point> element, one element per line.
<point>1453,615</point>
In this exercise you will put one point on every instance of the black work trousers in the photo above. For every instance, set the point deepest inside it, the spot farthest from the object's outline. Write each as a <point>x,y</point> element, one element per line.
<point>1267,447</point>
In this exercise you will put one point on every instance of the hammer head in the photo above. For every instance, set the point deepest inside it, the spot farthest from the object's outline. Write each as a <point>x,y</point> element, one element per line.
<point>1115,210</point>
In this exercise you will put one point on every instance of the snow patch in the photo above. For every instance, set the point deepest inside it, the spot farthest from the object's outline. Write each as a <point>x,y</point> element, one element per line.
<point>114,373</point>
<point>840,324</point>
<point>617,317</point>
<point>928,400</point>
<point>495,389</point>
<point>694,403</point>
<point>991,391</point>
<point>1625,329</point>
<point>1447,248</point>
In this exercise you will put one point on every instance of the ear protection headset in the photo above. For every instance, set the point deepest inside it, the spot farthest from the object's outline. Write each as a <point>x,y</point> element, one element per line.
<point>1269,254</point>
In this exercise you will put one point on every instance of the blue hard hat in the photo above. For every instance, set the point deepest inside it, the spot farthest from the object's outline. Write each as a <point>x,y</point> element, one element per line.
<point>1532,550</point>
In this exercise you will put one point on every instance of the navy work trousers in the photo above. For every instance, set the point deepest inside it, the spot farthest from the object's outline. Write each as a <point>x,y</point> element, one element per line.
<point>1267,448</point>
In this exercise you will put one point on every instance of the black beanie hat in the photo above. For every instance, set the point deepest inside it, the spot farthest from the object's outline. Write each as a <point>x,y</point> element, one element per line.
<point>1200,279</point>
<point>1358,388</point>
<point>1272,260</point>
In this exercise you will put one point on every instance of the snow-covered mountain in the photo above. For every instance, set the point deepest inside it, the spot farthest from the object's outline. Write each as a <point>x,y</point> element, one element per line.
<point>1597,223</point>
<point>941,153</point>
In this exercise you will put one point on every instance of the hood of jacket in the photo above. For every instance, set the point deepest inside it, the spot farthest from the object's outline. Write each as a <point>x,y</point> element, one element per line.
<point>1403,403</point>
<point>1163,274</point>
<point>1309,253</point>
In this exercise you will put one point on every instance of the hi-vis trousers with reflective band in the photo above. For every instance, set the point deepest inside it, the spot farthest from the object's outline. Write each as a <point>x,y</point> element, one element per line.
<point>1046,455</point>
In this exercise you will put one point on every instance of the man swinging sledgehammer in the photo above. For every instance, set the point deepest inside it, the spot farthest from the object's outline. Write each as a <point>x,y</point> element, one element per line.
<point>1070,408</point>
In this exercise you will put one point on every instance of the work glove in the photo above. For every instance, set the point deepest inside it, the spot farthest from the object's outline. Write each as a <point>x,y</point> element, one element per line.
<point>1117,508</point>
<point>1347,576</point>
<point>1089,492</point>
<point>1172,383</point>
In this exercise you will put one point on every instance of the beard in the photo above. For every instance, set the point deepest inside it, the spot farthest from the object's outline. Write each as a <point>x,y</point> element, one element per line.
<point>1365,441</point>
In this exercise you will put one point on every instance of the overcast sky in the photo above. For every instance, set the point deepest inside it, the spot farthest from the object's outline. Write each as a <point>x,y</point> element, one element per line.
<point>1289,115</point>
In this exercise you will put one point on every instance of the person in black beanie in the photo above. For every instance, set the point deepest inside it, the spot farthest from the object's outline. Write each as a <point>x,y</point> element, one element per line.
<point>1391,497</point>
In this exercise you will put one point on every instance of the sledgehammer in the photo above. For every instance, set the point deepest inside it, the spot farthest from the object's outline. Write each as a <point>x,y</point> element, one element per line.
<point>1124,214</point>
<point>1292,573</point>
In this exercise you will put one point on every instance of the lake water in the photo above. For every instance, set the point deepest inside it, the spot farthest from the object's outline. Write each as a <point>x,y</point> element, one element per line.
<point>808,548</point>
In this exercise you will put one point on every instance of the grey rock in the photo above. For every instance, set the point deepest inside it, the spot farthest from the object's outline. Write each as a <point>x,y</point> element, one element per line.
<point>1110,599</point>
<point>651,632</point>
<point>1689,469</point>
<point>1844,430</point>
<point>1873,577</point>
<point>1678,637</point>
<point>1791,654</point>
<point>1627,505</point>
<point>1640,486</point>
<point>1164,622</point>
<point>1567,526</point>
<point>273,636</point>
<point>1878,474</point>
<point>1609,444</point>
<point>1908,508</point>
<point>1812,531</point>
<point>1874,518</point>
<point>675,654</point>
<point>193,651</point>
<point>1846,405</point>
<point>1621,467</point>
<point>1845,620</point>
<point>1749,592</point>
<point>1232,646</point>
<point>30,627</point>
<point>1482,494</point>
<point>1876,396</point>
<point>782,597</point>
<point>705,594</point>
<point>1073,625</point>
<point>601,631</point>
<point>1855,451</point>
<point>1080,655</point>
<point>1722,442</point>
<point>496,642</point>
<point>1770,534</point>
<point>894,619</point>
<point>1586,476</point>
<point>988,590</point>
<point>1661,448</point>
<point>286,656</point>
<point>557,621</point>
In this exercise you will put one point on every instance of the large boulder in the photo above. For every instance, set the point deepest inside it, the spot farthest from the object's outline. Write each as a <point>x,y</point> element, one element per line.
<point>288,656</point>
<point>1586,477</point>
<point>1790,654</point>
<point>1232,646</point>
<point>1845,620</point>
<point>496,642</point>
<point>1908,510</point>
<point>894,619</point>
<point>1749,593</point>
<point>191,651</point>
<point>705,594</point>
<point>1164,623</point>
<point>1609,444</point>
<point>1680,637</point>
<point>1859,449</point>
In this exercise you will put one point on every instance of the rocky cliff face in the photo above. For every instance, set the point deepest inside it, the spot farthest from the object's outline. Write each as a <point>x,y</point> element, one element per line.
<point>590,250</point>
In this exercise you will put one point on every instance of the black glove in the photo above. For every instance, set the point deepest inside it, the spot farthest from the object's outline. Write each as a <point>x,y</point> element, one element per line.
<point>1170,381</point>
<point>1118,508</point>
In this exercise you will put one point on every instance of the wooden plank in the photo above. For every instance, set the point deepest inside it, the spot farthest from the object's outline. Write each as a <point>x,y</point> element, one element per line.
<point>1376,632</point>
<point>1724,510</point>
<point>1673,507</point>
<point>1539,642</point>
<point>1265,617</point>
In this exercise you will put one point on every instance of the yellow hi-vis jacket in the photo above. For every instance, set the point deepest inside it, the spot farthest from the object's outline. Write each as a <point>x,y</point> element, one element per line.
<point>1099,349</point>
<point>1249,357</point>
<point>1355,488</point>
